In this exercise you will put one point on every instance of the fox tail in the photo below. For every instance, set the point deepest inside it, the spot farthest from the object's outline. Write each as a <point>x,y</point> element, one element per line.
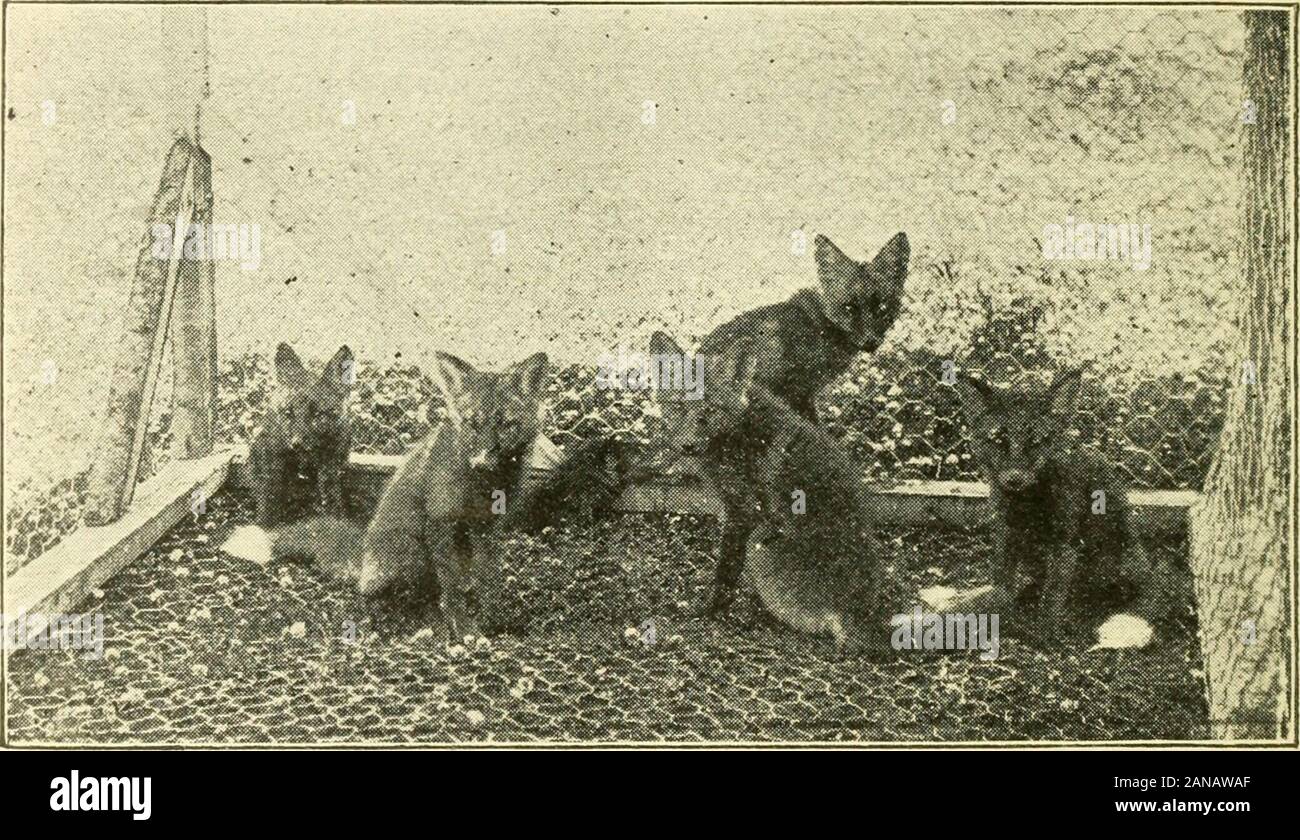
<point>333,544</point>
<point>982,599</point>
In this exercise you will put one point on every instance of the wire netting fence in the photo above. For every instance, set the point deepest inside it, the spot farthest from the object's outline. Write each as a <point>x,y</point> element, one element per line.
<point>974,144</point>
<point>985,134</point>
<point>200,650</point>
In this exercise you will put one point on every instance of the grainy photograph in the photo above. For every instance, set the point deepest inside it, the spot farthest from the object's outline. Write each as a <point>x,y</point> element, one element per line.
<point>648,375</point>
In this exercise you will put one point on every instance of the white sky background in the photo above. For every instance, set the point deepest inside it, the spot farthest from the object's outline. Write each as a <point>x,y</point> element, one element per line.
<point>471,120</point>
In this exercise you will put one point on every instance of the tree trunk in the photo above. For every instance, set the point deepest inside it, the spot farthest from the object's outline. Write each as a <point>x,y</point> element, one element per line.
<point>1240,525</point>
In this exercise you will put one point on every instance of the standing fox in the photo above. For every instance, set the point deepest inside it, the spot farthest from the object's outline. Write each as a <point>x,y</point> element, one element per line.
<point>813,338</point>
<point>1058,509</point>
<point>437,519</point>
<point>299,457</point>
<point>819,333</point>
<point>795,520</point>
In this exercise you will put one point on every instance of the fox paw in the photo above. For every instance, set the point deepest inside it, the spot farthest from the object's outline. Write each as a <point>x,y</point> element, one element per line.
<point>716,605</point>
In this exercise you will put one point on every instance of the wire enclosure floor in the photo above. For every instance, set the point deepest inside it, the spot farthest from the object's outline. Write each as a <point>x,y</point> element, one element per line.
<point>202,648</point>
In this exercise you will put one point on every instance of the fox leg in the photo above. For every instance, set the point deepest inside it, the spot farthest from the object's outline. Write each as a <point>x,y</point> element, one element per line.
<point>731,563</point>
<point>268,478</point>
<point>807,408</point>
<point>329,487</point>
<point>453,557</point>
<point>488,577</point>
<point>1003,567</point>
<point>1152,582</point>
<point>1062,566</point>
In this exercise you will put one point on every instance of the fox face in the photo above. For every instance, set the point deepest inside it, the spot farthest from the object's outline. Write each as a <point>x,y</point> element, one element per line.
<point>498,414</point>
<point>692,420</point>
<point>862,298</point>
<point>1015,431</point>
<point>309,411</point>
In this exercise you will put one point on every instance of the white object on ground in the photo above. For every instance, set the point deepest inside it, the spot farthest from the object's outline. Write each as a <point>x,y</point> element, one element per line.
<point>251,543</point>
<point>1123,631</point>
<point>937,597</point>
<point>544,454</point>
<point>944,599</point>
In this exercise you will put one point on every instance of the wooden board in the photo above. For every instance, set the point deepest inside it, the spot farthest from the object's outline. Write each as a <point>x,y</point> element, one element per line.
<point>63,577</point>
<point>956,503</point>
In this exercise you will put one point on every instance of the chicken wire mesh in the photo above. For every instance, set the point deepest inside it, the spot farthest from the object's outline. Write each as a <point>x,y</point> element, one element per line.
<point>199,650</point>
<point>976,146</point>
<point>973,145</point>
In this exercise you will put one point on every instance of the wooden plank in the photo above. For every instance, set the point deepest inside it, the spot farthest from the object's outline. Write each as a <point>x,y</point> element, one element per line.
<point>953,503</point>
<point>194,331</point>
<point>134,371</point>
<point>63,577</point>
<point>152,370</point>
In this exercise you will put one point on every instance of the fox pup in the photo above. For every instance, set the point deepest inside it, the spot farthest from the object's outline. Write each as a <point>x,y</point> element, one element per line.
<point>813,337</point>
<point>819,333</point>
<point>438,518</point>
<point>1059,509</point>
<point>795,521</point>
<point>299,457</point>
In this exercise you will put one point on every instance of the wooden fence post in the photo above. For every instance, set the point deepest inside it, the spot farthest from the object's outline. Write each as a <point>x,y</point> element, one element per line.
<point>135,375</point>
<point>194,337</point>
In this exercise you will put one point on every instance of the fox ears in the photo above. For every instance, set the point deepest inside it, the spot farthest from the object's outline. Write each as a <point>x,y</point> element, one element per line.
<point>662,344</point>
<point>839,275</point>
<point>889,262</point>
<point>455,375</point>
<point>979,397</point>
<point>529,376</point>
<point>1063,395</point>
<point>338,376</point>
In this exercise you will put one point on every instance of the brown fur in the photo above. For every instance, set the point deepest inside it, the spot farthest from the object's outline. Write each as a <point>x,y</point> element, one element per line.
<point>299,457</point>
<point>1043,489</point>
<point>816,569</point>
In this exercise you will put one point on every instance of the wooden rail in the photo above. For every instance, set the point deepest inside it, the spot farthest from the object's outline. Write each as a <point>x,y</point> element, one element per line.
<point>955,503</point>
<point>62,578</point>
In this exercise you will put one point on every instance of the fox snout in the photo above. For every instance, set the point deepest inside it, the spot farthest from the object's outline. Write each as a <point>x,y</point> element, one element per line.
<point>691,447</point>
<point>483,460</point>
<point>1015,480</point>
